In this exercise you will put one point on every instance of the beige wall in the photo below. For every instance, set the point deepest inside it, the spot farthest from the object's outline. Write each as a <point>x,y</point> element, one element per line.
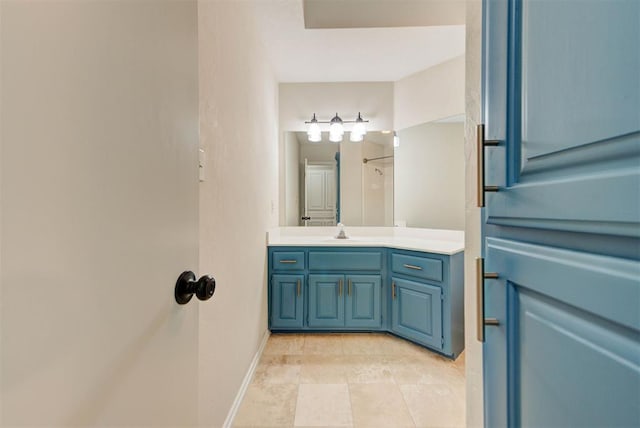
<point>298,102</point>
<point>429,176</point>
<point>238,200</point>
<point>431,94</point>
<point>473,108</point>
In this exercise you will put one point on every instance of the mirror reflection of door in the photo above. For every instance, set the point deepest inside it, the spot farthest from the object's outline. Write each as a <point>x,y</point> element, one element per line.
<point>320,194</point>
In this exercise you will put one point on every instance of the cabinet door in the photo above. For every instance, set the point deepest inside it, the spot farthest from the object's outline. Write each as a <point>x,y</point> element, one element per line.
<point>326,301</point>
<point>416,312</point>
<point>286,301</point>
<point>363,301</point>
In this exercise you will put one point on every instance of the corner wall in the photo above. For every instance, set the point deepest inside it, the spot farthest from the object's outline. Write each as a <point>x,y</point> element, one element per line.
<point>431,94</point>
<point>238,200</point>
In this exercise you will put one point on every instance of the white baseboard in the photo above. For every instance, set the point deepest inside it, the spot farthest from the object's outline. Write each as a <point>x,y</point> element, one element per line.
<point>246,382</point>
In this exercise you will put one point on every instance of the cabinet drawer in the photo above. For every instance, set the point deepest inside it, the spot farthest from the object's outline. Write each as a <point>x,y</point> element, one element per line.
<point>287,260</point>
<point>420,267</point>
<point>349,261</point>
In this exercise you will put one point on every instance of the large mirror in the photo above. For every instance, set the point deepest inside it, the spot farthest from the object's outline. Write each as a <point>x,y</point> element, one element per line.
<point>419,183</point>
<point>328,183</point>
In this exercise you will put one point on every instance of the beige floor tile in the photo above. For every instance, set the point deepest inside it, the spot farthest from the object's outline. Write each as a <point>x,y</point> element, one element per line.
<point>323,405</point>
<point>282,359</point>
<point>284,344</point>
<point>379,405</point>
<point>435,405</point>
<point>323,344</point>
<point>368,372</point>
<point>363,344</point>
<point>431,372</point>
<point>325,369</point>
<point>267,405</point>
<point>276,373</point>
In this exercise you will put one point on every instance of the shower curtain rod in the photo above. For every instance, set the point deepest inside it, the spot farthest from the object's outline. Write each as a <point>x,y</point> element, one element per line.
<point>365,160</point>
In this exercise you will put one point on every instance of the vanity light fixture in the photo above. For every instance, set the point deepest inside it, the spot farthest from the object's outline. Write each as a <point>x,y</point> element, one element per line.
<point>336,129</point>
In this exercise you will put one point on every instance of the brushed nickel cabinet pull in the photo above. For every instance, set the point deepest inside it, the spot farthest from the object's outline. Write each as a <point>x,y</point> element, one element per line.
<point>393,290</point>
<point>299,287</point>
<point>288,261</point>
<point>349,287</point>
<point>340,287</point>
<point>481,321</point>
<point>413,267</point>
<point>482,143</point>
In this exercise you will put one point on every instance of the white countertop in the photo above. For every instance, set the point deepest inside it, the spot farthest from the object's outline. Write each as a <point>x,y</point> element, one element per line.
<point>437,241</point>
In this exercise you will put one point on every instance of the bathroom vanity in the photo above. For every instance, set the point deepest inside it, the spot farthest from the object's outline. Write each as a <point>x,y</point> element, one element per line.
<point>405,281</point>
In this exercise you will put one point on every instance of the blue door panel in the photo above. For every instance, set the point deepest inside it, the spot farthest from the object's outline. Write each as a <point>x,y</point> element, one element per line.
<point>590,52</point>
<point>326,301</point>
<point>363,301</point>
<point>592,367</point>
<point>287,301</point>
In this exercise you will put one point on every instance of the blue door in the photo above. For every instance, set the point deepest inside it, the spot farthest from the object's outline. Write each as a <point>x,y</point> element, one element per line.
<point>561,269</point>
<point>326,301</point>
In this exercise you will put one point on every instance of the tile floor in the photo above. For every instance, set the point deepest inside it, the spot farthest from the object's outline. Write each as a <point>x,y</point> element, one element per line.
<point>354,380</point>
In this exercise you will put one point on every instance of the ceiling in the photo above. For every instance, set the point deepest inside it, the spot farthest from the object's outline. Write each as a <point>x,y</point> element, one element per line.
<point>355,54</point>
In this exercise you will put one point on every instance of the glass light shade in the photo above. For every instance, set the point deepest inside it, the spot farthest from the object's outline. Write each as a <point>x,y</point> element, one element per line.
<point>355,137</point>
<point>396,140</point>
<point>315,138</point>
<point>359,128</point>
<point>336,127</point>
<point>314,128</point>
<point>335,137</point>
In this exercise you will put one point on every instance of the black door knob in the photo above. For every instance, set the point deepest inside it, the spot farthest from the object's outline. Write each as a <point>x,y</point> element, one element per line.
<point>187,286</point>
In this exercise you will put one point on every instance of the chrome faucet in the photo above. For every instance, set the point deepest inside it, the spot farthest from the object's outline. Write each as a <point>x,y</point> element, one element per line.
<point>341,234</point>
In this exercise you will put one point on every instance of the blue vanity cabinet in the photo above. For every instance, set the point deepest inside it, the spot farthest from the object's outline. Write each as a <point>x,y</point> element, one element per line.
<point>350,289</point>
<point>427,299</point>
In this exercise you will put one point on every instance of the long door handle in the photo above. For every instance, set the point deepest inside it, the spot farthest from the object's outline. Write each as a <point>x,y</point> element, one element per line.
<point>349,286</point>
<point>481,321</point>
<point>339,287</point>
<point>393,290</point>
<point>299,287</point>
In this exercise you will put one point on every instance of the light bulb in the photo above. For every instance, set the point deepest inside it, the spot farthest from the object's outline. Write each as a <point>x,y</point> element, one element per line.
<point>315,138</point>
<point>335,137</point>
<point>355,137</point>
<point>359,127</point>
<point>314,128</point>
<point>336,127</point>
